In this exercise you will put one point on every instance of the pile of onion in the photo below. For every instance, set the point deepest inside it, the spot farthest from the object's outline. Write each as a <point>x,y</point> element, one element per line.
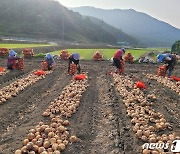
<point>47,138</point>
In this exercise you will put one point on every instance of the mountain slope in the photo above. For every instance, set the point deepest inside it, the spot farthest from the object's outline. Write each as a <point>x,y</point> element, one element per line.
<point>148,30</point>
<point>119,34</point>
<point>49,19</point>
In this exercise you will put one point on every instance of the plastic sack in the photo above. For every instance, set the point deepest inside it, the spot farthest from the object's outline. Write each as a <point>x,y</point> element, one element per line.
<point>39,72</point>
<point>80,77</point>
<point>175,78</point>
<point>73,69</point>
<point>141,85</point>
<point>44,66</point>
<point>20,64</point>
<point>2,69</point>
<point>162,71</point>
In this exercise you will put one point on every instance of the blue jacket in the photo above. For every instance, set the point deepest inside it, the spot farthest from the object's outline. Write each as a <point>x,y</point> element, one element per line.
<point>162,57</point>
<point>49,59</point>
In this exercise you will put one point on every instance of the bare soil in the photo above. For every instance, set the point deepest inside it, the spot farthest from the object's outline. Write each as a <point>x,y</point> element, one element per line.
<point>101,122</point>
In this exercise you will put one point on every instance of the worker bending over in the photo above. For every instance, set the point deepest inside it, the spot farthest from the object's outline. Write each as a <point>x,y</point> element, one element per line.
<point>169,60</point>
<point>12,62</point>
<point>118,58</point>
<point>50,61</point>
<point>74,59</point>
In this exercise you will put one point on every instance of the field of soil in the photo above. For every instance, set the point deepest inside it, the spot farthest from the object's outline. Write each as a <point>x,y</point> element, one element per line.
<point>101,123</point>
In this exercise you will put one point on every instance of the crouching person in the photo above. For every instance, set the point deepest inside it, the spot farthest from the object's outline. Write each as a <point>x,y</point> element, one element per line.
<point>74,59</point>
<point>50,61</point>
<point>12,62</point>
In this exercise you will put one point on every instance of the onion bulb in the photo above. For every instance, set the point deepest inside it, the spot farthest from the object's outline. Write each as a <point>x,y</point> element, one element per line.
<point>61,146</point>
<point>18,152</point>
<point>73,139</point>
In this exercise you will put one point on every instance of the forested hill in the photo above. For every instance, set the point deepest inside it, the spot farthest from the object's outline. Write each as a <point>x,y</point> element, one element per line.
<point>50,20</point>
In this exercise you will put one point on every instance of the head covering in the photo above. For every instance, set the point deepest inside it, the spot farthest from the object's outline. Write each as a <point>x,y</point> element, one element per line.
<point>160,58</point>
<point>48,56</point>
<point>12,53</point>
<point>76,56</point>
<point>123,49</point>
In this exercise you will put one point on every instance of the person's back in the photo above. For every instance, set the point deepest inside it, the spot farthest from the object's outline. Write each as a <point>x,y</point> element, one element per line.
<point>118,60</point>
<point>11,61</point>
<point>168,56</point>
<point>163,57</point>
<point>118,54</point>
<point>50,60</point>
<point>74,58</point>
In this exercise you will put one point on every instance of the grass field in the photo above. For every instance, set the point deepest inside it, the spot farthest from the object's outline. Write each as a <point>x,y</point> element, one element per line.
<point>107,53</point>
<point>10,46</point>
<point>85,53</point>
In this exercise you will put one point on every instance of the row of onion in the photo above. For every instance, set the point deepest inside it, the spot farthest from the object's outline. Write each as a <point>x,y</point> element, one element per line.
<point>146,122</point>
<point>175,86</point>
<point>54,137</point>
<point>66,104</point>
<point>19,85</point>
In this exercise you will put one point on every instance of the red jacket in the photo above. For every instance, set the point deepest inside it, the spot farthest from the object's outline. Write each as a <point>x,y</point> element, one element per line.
<point>119,53</point>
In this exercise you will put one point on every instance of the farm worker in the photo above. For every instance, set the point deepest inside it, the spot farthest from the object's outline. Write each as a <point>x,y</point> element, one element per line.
<point>74,58</point>
<point>50,61</point>
<point>169,60</point>
<point>117,58</point>
<point>12,60</point>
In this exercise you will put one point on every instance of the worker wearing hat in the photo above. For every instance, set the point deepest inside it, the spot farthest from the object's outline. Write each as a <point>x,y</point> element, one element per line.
<point>169,60</point>
<point>12,60</point>
<point>50,61</point>
<point>74,58</point>
<point>117,58</point>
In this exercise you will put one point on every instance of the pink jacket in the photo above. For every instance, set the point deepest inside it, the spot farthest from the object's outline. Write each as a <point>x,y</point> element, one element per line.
<point>119,53</point>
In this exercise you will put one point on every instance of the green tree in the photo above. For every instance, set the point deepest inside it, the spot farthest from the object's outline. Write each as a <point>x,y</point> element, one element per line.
<point>176,47</point>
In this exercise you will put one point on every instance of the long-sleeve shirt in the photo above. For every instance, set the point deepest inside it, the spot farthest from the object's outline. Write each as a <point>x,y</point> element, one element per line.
<point>118,55</point>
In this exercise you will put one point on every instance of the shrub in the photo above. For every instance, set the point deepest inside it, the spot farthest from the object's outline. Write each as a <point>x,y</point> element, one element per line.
<point>176,47</point>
